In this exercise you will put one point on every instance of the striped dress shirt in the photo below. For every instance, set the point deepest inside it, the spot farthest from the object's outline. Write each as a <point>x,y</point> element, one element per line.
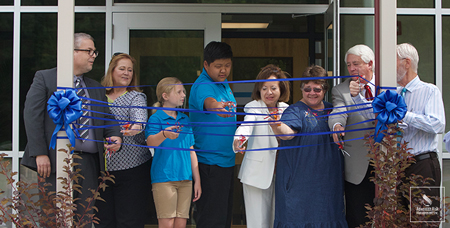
<point>425,116</point>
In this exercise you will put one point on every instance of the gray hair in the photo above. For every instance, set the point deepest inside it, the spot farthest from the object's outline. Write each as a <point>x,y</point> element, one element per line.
<point>407,51</point>
<point>78,37</point>
<point>364,52</point>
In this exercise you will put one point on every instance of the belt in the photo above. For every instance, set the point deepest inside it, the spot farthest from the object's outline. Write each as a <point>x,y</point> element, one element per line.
<point>82,152</point>
<point>424,156</point>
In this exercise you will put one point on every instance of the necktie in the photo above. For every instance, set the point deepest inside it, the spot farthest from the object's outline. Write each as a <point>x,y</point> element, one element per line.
<point>368,95</point>
<point>403,92</point>
<point>83,120</point>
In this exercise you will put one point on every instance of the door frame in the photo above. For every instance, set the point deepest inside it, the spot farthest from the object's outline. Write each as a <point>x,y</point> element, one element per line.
<point>210,23</point>
<point>178,15</point>
<point>332,19</point>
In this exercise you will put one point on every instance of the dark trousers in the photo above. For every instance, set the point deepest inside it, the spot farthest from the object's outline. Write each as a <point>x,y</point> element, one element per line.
<point>214,208</point>
<point>127,200</point>
<point>427,168</point>
<point>356,198</point>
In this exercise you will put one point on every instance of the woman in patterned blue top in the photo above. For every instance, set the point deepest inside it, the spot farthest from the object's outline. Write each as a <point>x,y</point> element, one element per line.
<point>127,198</point>
<point>309,188</point>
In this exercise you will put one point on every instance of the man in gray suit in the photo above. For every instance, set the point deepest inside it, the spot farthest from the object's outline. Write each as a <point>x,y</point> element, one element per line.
<point>358,188</point>
<point>39,127</point>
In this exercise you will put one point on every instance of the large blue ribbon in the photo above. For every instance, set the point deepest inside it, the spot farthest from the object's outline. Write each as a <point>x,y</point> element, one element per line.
<point>64,107</point>
<point>391,107</point>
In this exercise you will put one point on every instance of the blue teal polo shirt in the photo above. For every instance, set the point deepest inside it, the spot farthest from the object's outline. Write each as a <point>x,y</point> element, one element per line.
<point>171,165</point>
<point>219,148</point>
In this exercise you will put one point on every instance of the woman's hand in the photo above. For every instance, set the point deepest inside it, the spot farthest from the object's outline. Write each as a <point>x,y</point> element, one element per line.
<point>236,144</point>
<point>131,131</point>
<point>113,144</point>
<point>273,122</point>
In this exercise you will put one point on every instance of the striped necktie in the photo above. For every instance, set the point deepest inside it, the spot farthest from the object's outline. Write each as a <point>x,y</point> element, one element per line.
<point>368,95</point>
<point>83,120</point>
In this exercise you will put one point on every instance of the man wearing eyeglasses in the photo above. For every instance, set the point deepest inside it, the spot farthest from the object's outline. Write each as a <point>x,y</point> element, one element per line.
<point>39,127</point>
<point>359,190</point>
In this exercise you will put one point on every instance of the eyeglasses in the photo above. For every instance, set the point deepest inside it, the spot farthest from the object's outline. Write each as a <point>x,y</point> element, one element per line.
<point>90,51</point>
<point>309,89</point>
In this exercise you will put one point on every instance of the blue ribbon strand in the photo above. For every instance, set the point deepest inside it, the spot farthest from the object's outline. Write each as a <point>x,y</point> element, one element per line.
<point>391,108</point>
<point>64,107</point>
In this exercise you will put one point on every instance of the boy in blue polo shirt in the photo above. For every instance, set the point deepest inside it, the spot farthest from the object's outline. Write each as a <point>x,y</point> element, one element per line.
<point>216,158</point>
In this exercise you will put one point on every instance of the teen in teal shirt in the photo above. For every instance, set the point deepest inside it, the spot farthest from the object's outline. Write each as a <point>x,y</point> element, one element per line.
<point>220,151</point>
<point>215,152</point>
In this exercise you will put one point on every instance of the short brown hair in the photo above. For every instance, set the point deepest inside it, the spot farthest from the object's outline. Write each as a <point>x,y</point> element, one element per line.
<point>315,71</point>
<point>265,73</point>
<point>107,79</point>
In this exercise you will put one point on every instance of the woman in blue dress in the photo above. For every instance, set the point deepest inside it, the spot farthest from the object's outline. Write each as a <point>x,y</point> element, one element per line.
<point>309,188</point>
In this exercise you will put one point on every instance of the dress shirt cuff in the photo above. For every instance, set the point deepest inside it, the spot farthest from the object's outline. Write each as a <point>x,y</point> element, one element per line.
<point>337,124</point>
<point>359,99</point>
<point>408,117</point>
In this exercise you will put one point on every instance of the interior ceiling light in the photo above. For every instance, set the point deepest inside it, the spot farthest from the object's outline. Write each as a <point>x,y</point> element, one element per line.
<point>244,25</point>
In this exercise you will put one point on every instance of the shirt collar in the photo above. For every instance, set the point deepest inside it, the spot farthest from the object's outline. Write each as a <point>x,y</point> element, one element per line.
<point>210,79</point>
<point>372,81</point>
<point>164,115</point>
<point>75,78</point>
<point>412,84</point>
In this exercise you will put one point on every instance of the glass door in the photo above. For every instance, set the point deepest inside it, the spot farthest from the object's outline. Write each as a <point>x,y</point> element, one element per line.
<point>165,45</point>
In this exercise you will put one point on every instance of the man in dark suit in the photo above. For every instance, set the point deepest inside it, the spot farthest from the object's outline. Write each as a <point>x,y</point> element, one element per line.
<point>359,190</point>
<point>39,127</point>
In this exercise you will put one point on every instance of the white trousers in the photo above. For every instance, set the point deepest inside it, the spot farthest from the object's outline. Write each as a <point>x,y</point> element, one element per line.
<point>259,206</point>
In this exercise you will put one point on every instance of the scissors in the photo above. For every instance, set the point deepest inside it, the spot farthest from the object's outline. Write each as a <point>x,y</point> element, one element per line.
<point>274,115</point>
<point>241,141</point>
<point>341,145</point>
<point>178,127</point>
<point>109,152</point>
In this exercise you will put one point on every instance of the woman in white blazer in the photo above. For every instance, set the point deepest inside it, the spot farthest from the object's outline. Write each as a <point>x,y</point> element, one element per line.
<point>258,167</point>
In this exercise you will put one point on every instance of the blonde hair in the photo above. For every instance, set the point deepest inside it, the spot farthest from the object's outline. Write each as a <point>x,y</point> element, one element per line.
<point>166,85</point>
<point>107,80</point>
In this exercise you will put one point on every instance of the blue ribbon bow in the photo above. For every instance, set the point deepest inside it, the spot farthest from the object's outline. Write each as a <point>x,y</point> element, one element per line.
<point>64,107</point>
<point>391,107</point>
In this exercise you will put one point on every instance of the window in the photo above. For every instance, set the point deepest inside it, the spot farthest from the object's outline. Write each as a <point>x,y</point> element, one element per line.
<point>55,2</point>
<point>6,67</point>
<point>227,1</point>
<point>38,49</point>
